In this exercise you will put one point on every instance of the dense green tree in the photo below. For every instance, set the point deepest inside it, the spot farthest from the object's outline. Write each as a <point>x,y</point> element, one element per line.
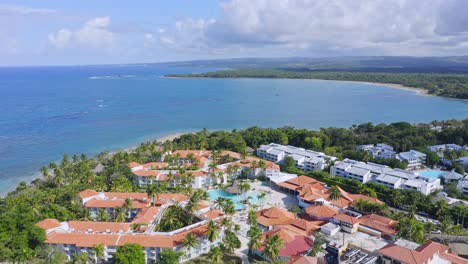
<point>169,256</point>
<point>129,254</point>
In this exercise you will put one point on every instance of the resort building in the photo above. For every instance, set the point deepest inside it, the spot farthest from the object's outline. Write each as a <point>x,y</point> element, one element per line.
<point>321,212</point>
<point>391,178</point>
<point>305,159</point>
<point>293,244</point>
<point>463,161</point>
<point>378,225</point>
<point>347,222</point>
<point>414,158</point>
<point>428,253</point>
<point>313,192</point>
<point>451,176</point>
<point>197,165</point>
<point>441,149</point>
<point>358,170</point>
<point>379,151</point>
<point>463,186</point>
<point>77,237</point>
<point>270,217</point>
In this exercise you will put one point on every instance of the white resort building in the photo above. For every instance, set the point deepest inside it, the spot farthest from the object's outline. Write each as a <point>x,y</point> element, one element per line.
<point>440,149</point>
<point>305,159</point>
<point>379,151</point>
<point>392,178</point>
<point>414,158</point>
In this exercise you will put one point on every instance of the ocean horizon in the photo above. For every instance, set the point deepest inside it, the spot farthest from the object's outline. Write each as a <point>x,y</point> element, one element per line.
<point>50,111</point>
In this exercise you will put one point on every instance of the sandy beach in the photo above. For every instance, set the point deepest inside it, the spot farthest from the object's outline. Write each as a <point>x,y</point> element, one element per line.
<point>420,91</point>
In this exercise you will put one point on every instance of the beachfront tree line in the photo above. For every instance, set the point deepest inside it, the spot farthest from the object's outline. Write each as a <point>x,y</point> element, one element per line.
<point>55,194</point>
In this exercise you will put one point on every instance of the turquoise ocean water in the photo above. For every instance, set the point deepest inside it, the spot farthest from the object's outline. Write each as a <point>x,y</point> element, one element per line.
<point>48,111</point>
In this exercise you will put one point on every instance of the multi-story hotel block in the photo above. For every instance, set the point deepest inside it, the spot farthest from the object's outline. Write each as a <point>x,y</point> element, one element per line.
<point>392,178</point>
<point>305,159</point>
<point>379,151</point>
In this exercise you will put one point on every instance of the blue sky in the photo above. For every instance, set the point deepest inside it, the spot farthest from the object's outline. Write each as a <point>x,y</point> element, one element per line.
<point>100,32</point>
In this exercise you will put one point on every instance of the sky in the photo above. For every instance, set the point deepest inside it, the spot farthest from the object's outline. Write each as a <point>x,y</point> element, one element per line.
<point>57,32</point>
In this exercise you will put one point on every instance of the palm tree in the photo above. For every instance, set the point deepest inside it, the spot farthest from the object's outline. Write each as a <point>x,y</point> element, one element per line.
<point>227,223</point>
<point>261,198</point>
<point>219,203</point>
<point>273,247</point>
<point>45,171</point>
<point>98,252</point>
<point>190,241</point>
<point>127,206</point>
<point>244,187</point>
<point>229,207</point>
<point>119,214</point>
<point>213,231</point>
<point>255,241</point>
<point>103,215</point>
<point>216,255</point>
<point>441,209</point>
<point>335,193</point>
<point>252,217</point>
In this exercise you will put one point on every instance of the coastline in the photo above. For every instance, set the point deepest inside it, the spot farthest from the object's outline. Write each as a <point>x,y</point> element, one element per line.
<point>36,175</point>
<point>419,91</point>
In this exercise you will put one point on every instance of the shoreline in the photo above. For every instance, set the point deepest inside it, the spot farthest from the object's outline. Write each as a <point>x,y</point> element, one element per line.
<point>36,175</point>
<point>419,91</point>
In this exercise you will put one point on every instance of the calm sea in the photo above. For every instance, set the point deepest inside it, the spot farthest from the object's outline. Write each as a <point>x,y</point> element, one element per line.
<point>48,111</point>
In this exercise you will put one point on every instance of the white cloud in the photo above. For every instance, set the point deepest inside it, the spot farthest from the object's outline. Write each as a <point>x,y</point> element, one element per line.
<point>401,27</point>
<point>25,10</point>
<point>93,35</point>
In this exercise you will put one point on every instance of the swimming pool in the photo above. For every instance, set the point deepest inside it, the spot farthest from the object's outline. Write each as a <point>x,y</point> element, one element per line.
<point>430,173</point>
<point>214,194</point>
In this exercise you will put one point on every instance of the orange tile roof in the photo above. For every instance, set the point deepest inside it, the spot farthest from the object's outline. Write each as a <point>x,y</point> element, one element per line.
<point>125,195</point>
<point>146,215</point>
<point>421,254</point>
<point>87,193</point>
<point>285,235</point>
<point>346,218</point>
<point>146,173</point>
<point>101,203</point>
<point>177,197</point>
<point>293,244</point>
<point>321,211</point>
<point>231,154</point>
<point>81,239</point>
<point>145,240</point>
<point>48,223</point>
<point>133,164</point>
<point>85,226</point>
<point>196,153</point>
<point>198,173</point>
<point>212,214</point>
<point>306,260</point>
<point>301,226</point>
<point>356,197</point>
<point>150,165</point>
<point>380,223</point>
<point>274,216</point>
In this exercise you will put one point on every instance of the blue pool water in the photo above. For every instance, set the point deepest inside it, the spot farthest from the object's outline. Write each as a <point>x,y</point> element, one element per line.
<point>430,173</point>
<point>214,194</point>
<point>46,112</point>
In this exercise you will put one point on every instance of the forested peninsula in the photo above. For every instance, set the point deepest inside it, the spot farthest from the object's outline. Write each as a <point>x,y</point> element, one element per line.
<point>439,84</point>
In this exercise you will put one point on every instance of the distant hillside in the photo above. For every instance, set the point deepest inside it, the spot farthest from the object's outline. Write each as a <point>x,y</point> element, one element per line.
<point>457,64</point>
